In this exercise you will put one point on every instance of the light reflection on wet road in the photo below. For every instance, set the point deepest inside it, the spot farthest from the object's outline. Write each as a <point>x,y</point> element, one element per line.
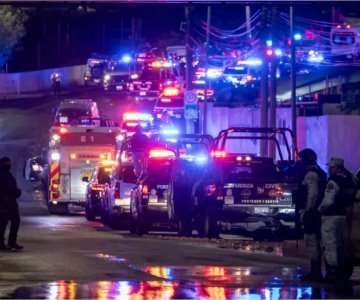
<point>197,282</point>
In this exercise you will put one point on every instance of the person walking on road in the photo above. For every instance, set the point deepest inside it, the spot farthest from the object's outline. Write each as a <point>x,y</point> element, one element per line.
<point>311,186</point>
<point>139,146</point>
<point>338,198</point>
<point>9,208</point>
<point>56,82</point>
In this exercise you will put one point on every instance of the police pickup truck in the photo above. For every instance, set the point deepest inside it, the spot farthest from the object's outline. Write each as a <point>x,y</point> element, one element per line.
<point>148,204</point>
<point>246,189</point>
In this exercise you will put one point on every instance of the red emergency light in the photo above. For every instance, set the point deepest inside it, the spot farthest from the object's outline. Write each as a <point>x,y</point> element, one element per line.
<point>171,91</point>
<point>161,153</point>
<point>218,154</point>
<point>165,100</point>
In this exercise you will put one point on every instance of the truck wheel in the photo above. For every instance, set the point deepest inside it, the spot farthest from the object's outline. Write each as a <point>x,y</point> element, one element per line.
<point>89,214</point>
<point>113,222</point>
<point>184,227</point>
<point>208,226</point>
<point>104,217</point>
<point>58,209</point>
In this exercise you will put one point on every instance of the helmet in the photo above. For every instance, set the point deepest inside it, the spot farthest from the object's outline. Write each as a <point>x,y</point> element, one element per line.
<point>308,156</point>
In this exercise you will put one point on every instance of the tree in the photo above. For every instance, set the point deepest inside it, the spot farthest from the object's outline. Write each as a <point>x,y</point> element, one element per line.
<point>12,29</point>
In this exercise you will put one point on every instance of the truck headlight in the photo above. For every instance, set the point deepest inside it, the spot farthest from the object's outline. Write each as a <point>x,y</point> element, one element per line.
<point>107,77</point>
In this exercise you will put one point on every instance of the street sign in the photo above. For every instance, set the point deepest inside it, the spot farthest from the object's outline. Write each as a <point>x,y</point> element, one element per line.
<point>191,111</point>
<point>190,97</point>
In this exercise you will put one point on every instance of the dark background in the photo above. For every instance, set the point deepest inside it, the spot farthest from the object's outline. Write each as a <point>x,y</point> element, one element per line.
<point>63,34</point>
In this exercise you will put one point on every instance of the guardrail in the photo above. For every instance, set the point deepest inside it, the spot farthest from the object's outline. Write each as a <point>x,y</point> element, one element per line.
<point>17,83</point>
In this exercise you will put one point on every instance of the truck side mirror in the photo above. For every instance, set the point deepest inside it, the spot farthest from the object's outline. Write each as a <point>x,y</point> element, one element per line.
<point>54,111</point>
<point>128,175</point>
<point>33,167</point>
<point>85,179</point>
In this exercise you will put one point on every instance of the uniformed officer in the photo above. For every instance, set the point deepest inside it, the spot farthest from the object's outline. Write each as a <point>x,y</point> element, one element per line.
<point>139,146</point>
<point>333,210</point>
<point>311,186</point>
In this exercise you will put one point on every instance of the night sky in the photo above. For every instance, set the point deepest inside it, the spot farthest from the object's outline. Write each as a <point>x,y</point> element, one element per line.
<point>105,28</point>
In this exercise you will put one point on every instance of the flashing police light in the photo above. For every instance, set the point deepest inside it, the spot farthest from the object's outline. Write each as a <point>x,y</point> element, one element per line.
<point>269,52</point>
<point>269,43</point>
<point>134,116</point>
<point>278,52</point>
<point>126,58</point>
<point>297,36</point>
<point>170,131</point>
<point>250,62</point>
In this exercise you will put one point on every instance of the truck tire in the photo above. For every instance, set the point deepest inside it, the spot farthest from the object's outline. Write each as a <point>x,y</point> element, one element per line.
<point>208,223</point>
<point>89,214</point>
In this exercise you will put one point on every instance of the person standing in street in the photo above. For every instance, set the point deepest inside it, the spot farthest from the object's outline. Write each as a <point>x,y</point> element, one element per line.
<point>334,207</point>
<point>56,82</point>
<point>9,207</point>
<point>139,146</point>
<point>311,186</point>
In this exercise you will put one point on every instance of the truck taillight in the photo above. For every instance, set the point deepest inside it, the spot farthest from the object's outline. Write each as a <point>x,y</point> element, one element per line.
<point>145,189</point>
<point>276,192</point>
<point>117,190</point>
<point>218,154</point>
<point>55,185</point>
<point>97,187</point>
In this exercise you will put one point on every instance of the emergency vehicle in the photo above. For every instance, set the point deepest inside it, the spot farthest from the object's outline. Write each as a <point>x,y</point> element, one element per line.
<point>131,120</point>
<point>155,76</point>
<point>73,155</point>
<point>344,41</point>
<point>148,200</point>
<point>252,191</point>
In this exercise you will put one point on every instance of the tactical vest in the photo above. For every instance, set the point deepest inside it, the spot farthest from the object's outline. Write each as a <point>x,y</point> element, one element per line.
<point>302,192</point>
<point>341,201</point>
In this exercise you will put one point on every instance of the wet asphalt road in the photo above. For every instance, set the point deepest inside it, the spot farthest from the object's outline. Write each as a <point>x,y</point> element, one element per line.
<point>67,257</point>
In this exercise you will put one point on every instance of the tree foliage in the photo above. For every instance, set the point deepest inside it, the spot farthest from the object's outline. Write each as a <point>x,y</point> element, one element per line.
<point>12,29</point>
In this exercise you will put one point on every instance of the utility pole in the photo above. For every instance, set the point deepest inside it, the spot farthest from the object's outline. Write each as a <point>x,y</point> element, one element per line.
<point>204,127</point>
<point>248,25</point>
<point>293,73</point>
<point>264,90</point>
<point>273,83</point>
<point>189,122</point>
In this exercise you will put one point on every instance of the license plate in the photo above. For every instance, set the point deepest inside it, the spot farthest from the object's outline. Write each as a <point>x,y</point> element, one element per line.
<point>119,87</point>
<point>153,199</point>
<point>261,210</point>
<point>96,80</point>
<point>229,200</point>
<point>63,119</point>
<point>142,93</point>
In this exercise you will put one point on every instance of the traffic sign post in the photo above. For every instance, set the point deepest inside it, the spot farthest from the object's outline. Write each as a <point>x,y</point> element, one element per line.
<point>191,105</point>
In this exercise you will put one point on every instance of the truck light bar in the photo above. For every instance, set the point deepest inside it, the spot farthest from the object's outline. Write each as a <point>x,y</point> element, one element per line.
<point>161,153</point>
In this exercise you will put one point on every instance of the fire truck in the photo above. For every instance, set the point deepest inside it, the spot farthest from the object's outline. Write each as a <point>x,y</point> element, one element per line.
<point>70,160</point>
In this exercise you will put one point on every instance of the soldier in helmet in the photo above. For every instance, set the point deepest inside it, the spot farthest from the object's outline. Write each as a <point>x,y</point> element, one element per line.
<point>311,185</point>
<point>338,199</point>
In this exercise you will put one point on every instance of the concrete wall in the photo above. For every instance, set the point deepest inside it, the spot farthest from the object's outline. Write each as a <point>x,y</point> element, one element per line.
<point>329,135</point>
<point>38,80</point>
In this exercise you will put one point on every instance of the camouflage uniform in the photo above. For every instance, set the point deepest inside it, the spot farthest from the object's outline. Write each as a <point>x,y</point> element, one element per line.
<point>311,187</point>
<point>313,183</point>
<point>333,211</point>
